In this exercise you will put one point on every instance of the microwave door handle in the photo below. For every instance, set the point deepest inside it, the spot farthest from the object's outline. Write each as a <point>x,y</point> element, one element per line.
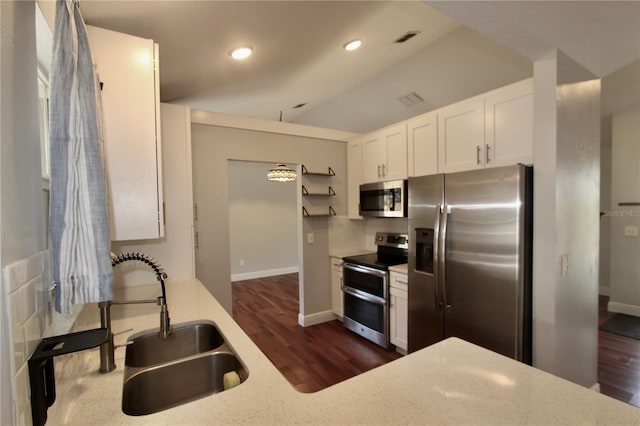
<point>443,255</point>
<point>393,200</point>
<point>436,255</point>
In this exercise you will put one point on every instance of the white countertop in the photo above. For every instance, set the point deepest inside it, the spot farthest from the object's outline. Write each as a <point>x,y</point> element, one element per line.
<point>403,269</point>
<point>450,383</point>
<point>340,254</point>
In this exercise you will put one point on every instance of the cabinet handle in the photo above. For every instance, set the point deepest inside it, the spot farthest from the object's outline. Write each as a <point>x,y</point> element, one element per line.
<point>379,175</point>
<point>383,171</point>
<point>487,154</point>
<point>478,154</point>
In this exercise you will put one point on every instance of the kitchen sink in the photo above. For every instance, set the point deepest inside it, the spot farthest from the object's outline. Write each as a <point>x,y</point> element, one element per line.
<point>190,364</point>
<point>168,385</point>
<point>149,348</point>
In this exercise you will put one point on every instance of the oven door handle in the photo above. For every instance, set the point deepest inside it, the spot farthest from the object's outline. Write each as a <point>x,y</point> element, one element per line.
<point>363,296</point>
<point>365,270</point>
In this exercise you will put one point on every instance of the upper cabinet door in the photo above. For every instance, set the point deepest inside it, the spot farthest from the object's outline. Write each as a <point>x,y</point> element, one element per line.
<point>127,68</point>
<point>461,136</point>
<point>395,143</point>
<point>422,141</point>
<point>373,157</point>
<point>384,154</point>
<point>509,125</point>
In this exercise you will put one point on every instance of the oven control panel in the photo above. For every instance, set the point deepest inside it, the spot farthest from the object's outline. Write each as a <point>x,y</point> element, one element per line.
<point>390,239</point>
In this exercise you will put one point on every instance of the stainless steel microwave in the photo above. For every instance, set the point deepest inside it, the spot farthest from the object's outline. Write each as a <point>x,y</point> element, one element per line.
<point>384,199</point>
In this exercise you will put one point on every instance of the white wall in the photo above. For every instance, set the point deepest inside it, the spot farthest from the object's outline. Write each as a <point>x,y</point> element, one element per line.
<point>23,257</point>
<point>620,96</point>
<point>217,138</point>
<point>625,249</point>
<point>174,251</point>
<point>263,219</point>
<point>566,218</point>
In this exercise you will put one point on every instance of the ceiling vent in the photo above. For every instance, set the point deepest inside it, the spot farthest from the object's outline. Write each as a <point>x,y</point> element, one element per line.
<point>407,36</point>
<point>411,99</point>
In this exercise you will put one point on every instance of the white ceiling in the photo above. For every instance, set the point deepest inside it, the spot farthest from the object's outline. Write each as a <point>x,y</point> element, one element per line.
<point>603,36</point>
<point>298,56</point>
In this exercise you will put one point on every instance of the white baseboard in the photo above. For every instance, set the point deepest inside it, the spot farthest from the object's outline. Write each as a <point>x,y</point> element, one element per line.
<point>603,291</point>
<point>623,308</point>
<point>317,318</point>
<point>264,273</point>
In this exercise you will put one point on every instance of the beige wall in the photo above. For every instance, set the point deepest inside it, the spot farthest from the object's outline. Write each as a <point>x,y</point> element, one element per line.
<point>625,249</point>
<point>605,205</point>
<point>566,218</point>
<point>212,147</point>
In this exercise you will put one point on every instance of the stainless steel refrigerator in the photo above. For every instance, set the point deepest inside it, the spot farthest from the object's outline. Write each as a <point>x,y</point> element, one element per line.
<point>470,244</point>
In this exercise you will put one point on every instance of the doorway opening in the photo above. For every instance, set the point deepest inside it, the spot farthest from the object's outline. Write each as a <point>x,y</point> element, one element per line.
<point>263,223</point>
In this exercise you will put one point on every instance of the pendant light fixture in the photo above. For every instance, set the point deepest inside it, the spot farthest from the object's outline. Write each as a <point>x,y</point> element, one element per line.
<point>281,173</point>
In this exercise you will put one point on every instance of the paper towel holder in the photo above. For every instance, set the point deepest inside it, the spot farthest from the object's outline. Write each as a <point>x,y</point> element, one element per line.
<point>41,373</point>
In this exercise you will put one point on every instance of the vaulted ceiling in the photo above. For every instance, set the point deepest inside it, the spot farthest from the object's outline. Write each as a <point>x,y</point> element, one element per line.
<point>463,48</point>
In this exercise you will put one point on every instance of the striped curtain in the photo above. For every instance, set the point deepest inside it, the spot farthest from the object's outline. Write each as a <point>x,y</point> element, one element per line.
<point>78,215</point>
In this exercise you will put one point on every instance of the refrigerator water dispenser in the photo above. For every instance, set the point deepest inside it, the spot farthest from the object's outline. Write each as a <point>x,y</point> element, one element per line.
<point>424,250</point>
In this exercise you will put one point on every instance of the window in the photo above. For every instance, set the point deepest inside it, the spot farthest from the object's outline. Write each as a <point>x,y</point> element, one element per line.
<point>43,119</point>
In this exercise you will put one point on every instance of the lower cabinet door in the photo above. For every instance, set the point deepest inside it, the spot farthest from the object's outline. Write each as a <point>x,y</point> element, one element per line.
<point>398,317</point>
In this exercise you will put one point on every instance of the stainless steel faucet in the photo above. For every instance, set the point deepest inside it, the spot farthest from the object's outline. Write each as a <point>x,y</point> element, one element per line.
<point>107,362</point>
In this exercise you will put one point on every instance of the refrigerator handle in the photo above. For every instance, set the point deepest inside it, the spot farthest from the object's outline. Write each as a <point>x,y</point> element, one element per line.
<point>436,255</point>
<point>442,242</point>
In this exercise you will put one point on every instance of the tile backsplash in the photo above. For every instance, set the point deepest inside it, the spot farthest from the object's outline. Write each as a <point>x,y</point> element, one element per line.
<point>28,304</point>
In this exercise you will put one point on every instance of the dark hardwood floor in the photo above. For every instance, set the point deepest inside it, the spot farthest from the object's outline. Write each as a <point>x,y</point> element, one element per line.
<point>618,362</point>
<point>311,358</point>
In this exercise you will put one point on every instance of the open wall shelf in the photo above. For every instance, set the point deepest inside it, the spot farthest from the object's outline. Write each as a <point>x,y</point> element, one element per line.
<point>312,179</point>
<point>331,212</point>
<point>329,173</point>
<point>329,193</point>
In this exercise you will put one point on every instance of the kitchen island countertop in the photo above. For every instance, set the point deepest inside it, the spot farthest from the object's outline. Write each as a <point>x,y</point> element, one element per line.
<point>449,383</point>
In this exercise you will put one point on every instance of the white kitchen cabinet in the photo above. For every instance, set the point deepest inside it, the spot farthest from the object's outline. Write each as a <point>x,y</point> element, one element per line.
<point>461,136</point>
<point>373,156</point>
<point>398,309</point>
<point>490,130</point>
<point>422,145</point>
<point>509,125</point>
<point>336,286</point>
<point>128,71</point>
<point>354,178</point>
<point>384,154</point>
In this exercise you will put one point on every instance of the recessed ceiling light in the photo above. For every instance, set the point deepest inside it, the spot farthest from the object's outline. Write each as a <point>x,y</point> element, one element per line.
<point>353,45</point>
<point>241,52</point>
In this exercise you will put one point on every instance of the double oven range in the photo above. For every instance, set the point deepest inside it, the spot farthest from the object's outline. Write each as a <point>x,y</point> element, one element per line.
<point>365,287</point>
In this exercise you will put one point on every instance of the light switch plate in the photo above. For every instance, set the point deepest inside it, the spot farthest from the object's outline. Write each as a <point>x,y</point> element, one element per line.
<point>630,231</point>
<point>310,238</point>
